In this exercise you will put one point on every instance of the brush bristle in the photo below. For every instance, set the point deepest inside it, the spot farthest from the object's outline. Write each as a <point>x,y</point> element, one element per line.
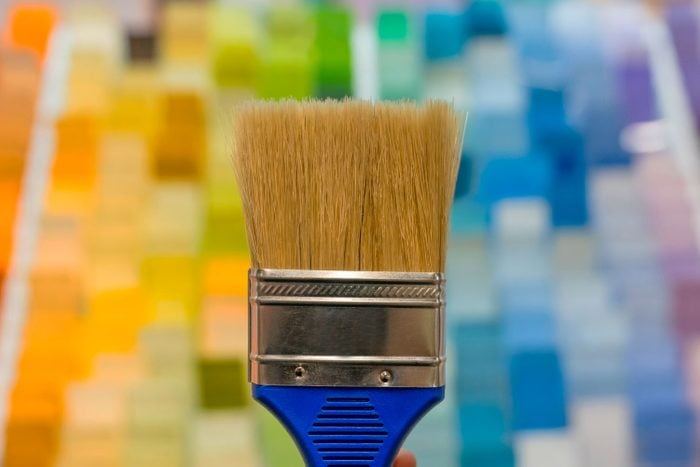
<point>347,185</point>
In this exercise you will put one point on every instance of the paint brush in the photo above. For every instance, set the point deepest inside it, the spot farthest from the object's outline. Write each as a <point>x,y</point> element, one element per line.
<point>347,209</point>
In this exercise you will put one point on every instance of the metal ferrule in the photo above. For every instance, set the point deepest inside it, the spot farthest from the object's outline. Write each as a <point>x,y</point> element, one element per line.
<point>346,328</point>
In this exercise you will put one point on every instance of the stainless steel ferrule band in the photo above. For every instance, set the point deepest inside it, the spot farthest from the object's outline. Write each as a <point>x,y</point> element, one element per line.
<point>346,328</point>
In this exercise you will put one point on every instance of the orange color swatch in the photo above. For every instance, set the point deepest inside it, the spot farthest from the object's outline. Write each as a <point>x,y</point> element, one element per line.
<point>30,26</point>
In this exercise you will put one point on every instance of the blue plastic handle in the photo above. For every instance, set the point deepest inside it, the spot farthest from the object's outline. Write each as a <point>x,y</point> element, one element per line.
<point>343,427</point>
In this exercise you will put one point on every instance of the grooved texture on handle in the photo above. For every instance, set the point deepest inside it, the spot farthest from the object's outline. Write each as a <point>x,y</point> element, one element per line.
<point>348,427</point>
<point>348,430</point>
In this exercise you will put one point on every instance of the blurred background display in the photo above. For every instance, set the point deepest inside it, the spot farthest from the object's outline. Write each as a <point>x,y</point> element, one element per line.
<point>573,267</point>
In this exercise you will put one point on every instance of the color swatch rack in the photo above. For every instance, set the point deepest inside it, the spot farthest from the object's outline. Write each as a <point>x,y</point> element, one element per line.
<point>574,271</point>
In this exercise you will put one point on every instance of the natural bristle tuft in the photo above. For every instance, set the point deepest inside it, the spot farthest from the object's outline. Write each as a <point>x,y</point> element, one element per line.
<point>347,185</point>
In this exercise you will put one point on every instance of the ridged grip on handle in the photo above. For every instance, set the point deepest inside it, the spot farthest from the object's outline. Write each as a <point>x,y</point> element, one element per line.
<point>348,427</point>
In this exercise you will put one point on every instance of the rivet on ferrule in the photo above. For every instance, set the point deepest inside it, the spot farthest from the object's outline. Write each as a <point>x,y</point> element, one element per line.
<point>385,376</point>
